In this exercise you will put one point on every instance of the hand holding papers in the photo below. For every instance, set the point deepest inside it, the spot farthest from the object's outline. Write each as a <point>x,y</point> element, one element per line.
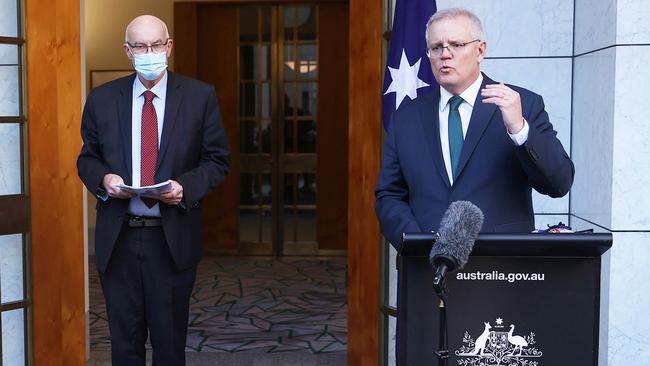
<point>153,191</point>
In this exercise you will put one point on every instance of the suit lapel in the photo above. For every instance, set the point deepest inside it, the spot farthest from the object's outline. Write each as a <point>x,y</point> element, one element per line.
<point>481,117</point>
<point>174,98</point>
<point>429,117</point>
<point>125,115</point>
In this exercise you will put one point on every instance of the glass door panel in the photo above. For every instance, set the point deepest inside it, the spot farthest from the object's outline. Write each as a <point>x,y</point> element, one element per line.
<point>10,158</point>
<point>11,268</point>
<point>15,302</point>
<point>256,129</point>
<point>278,89</point>
<point>13,337</point>
<point>299,85</point>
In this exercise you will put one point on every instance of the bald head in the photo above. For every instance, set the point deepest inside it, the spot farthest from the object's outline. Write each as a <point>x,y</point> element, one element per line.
<point>147,26</point>
<point>146,41</point>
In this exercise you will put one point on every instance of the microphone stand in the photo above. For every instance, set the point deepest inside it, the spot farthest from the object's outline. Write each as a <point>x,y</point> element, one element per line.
<point>443,349</point>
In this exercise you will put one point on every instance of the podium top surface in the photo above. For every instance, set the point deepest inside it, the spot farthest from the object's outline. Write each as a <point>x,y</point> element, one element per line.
<point>521,244</point>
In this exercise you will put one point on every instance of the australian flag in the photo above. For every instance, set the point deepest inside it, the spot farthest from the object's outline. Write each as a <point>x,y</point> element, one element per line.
<point>408,71</point>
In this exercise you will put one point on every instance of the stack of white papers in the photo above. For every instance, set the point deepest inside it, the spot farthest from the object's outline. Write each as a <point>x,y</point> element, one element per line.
<point>152,191</point>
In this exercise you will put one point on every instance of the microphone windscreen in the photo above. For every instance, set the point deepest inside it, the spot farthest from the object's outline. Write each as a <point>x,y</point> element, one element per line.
<point>458,231</point>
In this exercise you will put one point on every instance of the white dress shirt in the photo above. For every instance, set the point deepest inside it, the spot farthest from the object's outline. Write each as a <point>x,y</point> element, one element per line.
<point>136,206</point>
<point>465,110</point>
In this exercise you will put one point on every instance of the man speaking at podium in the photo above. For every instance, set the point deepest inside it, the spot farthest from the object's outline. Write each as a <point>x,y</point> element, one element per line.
<point>471,139</point>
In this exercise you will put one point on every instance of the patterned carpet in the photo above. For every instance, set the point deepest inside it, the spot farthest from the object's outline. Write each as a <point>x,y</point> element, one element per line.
<point>256,305</point>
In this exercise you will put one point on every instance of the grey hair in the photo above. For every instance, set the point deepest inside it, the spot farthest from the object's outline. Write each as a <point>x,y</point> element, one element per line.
<point>126,38</point>
<point>477,27</point>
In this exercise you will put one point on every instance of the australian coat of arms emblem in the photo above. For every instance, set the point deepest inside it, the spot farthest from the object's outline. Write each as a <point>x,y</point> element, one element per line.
<point>498,345</point>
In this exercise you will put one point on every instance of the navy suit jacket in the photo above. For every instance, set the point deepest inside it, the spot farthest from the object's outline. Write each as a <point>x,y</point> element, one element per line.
<point>413,189</point>
<point>193,151</point>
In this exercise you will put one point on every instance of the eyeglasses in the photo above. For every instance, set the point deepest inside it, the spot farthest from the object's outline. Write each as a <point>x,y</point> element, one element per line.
<point>451,47</point>
<point>139,48</point>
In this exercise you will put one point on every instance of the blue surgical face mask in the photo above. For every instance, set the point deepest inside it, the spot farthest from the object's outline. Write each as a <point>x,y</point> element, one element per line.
<point>150,65</point>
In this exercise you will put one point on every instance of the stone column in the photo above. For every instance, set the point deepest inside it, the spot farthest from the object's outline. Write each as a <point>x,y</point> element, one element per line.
<point>610,148</point>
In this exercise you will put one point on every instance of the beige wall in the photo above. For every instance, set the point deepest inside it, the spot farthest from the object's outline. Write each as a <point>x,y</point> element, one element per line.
<point>105,21</point>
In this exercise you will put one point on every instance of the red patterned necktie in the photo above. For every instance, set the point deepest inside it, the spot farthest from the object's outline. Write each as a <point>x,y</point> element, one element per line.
<point>148,145</point>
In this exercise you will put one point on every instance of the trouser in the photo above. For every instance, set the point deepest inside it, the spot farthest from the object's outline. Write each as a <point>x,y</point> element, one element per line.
<point>146,295</point>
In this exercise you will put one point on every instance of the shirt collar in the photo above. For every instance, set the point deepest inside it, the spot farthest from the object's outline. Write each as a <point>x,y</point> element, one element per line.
<point>469,95</point>
<point>160,89</point>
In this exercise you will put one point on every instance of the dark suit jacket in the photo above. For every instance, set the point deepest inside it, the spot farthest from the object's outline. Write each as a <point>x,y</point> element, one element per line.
<point>413,189</point>
<point>193,151</point>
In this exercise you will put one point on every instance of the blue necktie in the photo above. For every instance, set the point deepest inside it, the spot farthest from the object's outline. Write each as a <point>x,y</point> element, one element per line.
<point>455,132</point>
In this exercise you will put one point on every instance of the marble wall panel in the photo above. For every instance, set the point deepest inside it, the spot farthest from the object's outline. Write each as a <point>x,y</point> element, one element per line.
<point>10,160</point>
<point>629,300</point>
<point>8,54</point>
<point>603,318</point>
<point>546,204</point>
<point>551,78</point>
<point>595,25</point>
<point>523,28</point>
<point>11,268</point>
<point>632,25</point>
<point>13,338</point>
<point>9,16</point>
<point>9,91</point>
<point>577,223</point>
<point>392,337</point>
<point>631,145</point>
<point>592,136</point>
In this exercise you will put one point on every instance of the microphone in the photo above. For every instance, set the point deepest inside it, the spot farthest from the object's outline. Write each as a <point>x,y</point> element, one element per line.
<point>458,231</point>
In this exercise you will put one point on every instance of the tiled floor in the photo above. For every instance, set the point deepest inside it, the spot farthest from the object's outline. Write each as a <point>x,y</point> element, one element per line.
<point>256,305</point>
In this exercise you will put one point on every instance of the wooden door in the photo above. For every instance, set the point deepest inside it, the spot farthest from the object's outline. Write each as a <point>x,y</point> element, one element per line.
<point>205,32</point>
<point>281,76</point>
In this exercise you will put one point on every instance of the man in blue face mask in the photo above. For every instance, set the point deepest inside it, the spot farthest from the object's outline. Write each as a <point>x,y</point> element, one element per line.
<point>152,127</point>
<point>146,48</point>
